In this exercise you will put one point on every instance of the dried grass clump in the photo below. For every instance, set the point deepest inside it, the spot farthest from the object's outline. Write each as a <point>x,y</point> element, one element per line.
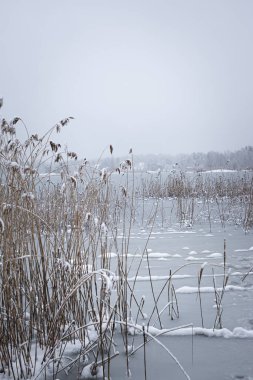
<point>55,275</point>
<point>58,287</point>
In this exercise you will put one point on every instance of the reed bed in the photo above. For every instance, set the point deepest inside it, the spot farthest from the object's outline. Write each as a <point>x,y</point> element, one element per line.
<point>59,287</point>
<point>227,197</point>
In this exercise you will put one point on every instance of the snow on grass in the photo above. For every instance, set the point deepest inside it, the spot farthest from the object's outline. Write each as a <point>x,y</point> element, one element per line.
<point>221,171</point>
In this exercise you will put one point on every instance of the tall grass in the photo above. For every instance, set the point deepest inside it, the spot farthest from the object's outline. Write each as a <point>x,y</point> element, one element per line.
<point>59,285</point>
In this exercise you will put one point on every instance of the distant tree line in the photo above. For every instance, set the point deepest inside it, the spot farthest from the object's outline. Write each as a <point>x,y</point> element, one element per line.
<point>238,160</point>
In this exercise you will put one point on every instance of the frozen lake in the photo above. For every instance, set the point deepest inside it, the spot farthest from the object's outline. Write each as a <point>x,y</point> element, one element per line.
<point>125,269</point>
<point>158,249</point>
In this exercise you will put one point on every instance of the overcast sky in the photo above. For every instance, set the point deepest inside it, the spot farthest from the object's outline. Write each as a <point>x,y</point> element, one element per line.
<point>161,76</point>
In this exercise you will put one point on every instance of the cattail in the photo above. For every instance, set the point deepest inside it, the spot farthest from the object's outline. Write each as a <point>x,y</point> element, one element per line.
<point>72,155</point>
<point>74,181</point>
<point>124,191</point>
<point>66,120</point>
<point>15,120</point>
<point>202,269</point>
<point>54,146</point>
<point>58,158</point>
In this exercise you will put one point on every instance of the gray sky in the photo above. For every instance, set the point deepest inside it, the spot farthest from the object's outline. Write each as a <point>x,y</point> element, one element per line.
<point>161,76</point>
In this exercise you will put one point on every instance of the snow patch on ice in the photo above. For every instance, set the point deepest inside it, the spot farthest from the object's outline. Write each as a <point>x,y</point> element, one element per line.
<point>158,278</point>
<point>191,258</point>
<point>109,255</point>
<point>193,253</point>
<point>215,255</point>
<point>162,255</point>
<point>237,332</point>
<point>208,289</point>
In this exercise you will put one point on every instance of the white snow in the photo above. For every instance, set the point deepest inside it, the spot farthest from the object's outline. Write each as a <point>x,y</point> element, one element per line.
<point>191,258</point>
<point>237,332</point>
<point>64,264</point>
<point>162,254</point>
<point>28,196</point>
<point>221,171</point>
<point>91,371</point>
<point>109,255</point>
<point>215,255</point>
<point>244,249</point>
<point>207,289</point>
<point>158,278</point>
<point>104,229</point>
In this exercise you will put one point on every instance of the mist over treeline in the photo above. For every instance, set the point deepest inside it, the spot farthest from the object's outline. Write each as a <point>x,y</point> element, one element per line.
<point>238,160</point>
